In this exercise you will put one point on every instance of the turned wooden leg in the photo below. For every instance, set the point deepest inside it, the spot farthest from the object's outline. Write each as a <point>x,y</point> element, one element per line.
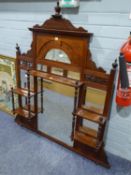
<point>74,110</point>
<point>28,98</point>
<point>42,109</point>
<point>13,101</point>
<point>100,134</point>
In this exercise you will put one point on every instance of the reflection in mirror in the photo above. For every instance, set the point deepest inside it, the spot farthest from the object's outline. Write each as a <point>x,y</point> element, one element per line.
<point>57,55</point>
<point>41,67</point>
<point>57,71</point>
<point>91,127</point>
<point>56,120</point>
<point>95,99</point>
<point>74,75</point>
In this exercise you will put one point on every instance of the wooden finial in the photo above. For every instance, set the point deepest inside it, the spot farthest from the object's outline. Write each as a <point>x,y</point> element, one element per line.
<point>57,10</point>
<point>114,65</point>
<point>18,48</point>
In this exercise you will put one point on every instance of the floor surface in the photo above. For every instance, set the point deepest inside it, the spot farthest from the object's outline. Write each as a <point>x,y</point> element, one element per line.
<point>22,152</point>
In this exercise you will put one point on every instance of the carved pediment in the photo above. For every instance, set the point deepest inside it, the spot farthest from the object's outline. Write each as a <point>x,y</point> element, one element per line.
<point>59,24</point>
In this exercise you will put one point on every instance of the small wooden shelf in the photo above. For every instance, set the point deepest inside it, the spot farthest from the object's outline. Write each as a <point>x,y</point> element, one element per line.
<point>88,115</point>
<point>32,108</point>
<point>24,113</point>
<point>87,140</point>
<point>23,92</point>
<point>88,131</point>
<point>56,78</point>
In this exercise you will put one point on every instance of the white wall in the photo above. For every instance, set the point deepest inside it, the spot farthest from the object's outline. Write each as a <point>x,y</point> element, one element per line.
<point>108,20</point>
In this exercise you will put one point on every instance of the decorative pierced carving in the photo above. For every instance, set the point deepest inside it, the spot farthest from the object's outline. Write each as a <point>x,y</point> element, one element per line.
<point>92,65</point>
<point>29,52</point>
<point>96,79</point>
<point>25,59</point>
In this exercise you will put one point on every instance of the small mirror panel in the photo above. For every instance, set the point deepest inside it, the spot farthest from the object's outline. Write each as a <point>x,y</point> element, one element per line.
<point>57,55</point>
<point>57,71</point>
<point>74,75</point>
<point>41,67</point>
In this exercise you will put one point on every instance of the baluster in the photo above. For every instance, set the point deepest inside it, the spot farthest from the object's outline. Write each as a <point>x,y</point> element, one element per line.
<point>99,134</point>
<point>74,110</point>
<point>28,97</point>
<point>25,86</point>
<point>42,95</point>
<point>13,101</point>
<point>41,80</point>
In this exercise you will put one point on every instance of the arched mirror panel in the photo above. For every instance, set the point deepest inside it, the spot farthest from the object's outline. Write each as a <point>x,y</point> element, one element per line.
<point>57,55</point>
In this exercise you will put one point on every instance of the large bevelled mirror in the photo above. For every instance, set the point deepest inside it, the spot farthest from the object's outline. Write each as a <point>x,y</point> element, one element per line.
<point>58,103</point>
<point>57,55</point>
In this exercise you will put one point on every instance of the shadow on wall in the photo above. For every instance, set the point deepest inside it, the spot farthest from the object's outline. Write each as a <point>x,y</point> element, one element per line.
<point>124,112</point>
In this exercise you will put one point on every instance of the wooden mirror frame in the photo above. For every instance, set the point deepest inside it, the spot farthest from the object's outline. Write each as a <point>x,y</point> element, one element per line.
<point>59,33</point>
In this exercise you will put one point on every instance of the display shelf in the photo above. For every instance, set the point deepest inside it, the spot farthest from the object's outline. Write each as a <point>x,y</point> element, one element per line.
<point>32,108</point>
<point>24,113</point>
<point>88,131</point>
<point>56,78</point>
<point>23,92</point>
<point>88,115</point>
<point>87,140</point>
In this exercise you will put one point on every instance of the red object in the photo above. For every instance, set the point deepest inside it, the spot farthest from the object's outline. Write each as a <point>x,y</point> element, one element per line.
<point>123,96</point>
<point>126,49</point>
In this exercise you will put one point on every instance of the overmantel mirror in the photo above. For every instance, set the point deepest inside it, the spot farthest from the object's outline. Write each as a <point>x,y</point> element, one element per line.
<point>65,98</point>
